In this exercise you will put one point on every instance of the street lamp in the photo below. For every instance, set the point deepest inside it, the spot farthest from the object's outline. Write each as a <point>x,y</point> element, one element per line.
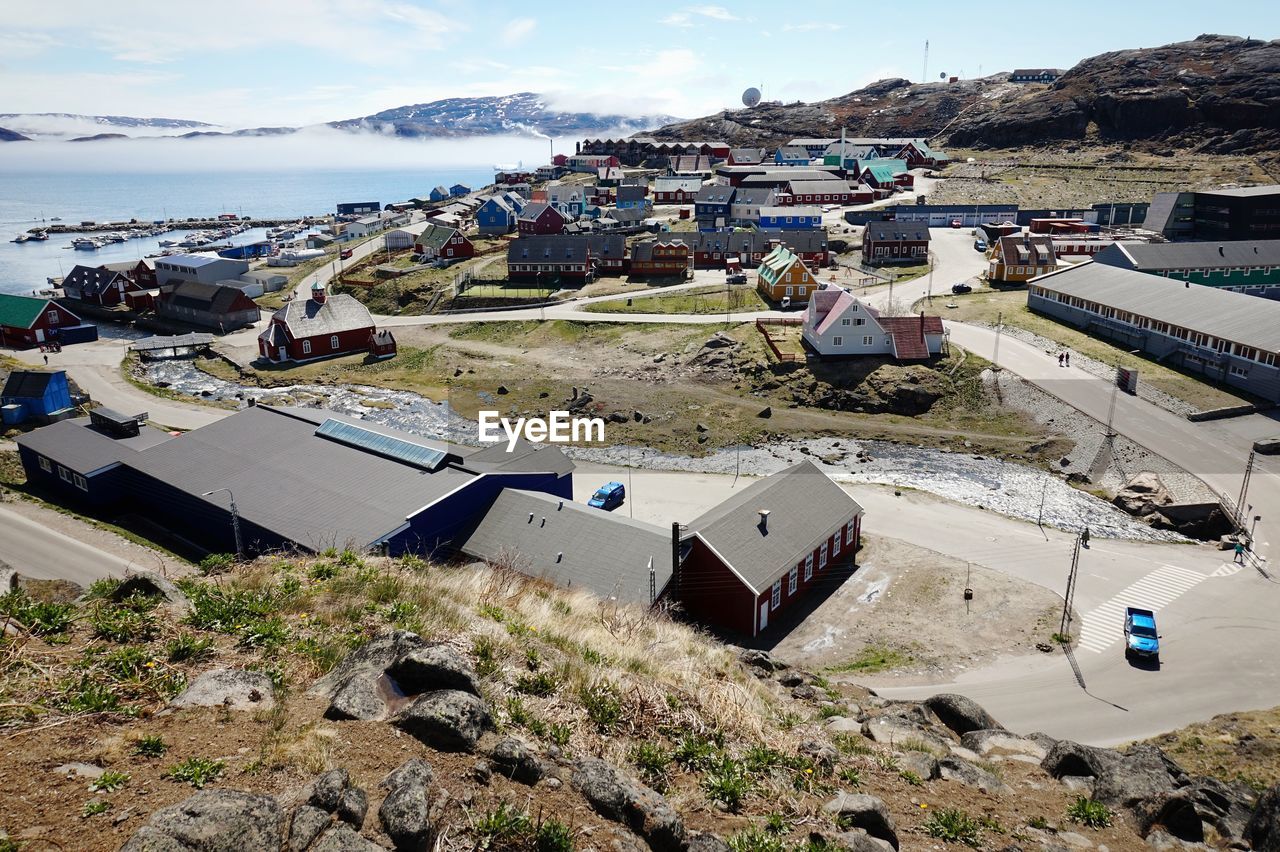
<point>235,517</point>
<point>1252,528</point>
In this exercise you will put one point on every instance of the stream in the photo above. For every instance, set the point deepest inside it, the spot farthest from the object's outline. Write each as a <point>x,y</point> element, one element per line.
<point>1017,491</point>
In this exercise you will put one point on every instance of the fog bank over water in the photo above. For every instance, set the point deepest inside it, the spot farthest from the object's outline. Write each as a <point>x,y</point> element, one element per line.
<point>309,149</point>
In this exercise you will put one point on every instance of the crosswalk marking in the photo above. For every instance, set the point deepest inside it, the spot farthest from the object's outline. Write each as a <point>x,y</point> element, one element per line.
<point>1103,625</point>
<point>1227,569</point>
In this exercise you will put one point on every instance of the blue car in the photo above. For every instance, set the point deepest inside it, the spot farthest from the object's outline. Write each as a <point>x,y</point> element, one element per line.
<point>608,497</point>
<point>1141,639</point>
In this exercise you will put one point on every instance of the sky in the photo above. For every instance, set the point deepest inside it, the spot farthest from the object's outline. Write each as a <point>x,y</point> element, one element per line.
<point>248,63</point>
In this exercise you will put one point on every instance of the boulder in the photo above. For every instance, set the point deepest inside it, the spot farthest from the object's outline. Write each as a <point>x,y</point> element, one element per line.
<point>1204,809</point>
<point>431,668</point>
<point>858,840</point>
<point>1263,831</point>
<point>892,731</point>
<point>961,714</point>
<point>325,791</point>
<point>623,799</point>
<point>923,765</point>
<point>447,719</point>
<point>1001,743</point>
<point>308,824</point>
<point>8,579</point>
<point>859,810</point>
<point>406,816</point>
<point>1072,758</point>
<point>514,759</point>
<point>373,657</point>
<point>701,841</point>
<point>151,584</point>
<point>822,753</point>
<point>1144,772</point>
<point>235,689</point>
<point>360,697</point>
<point>213,821</point>
<point>953,768</point>
<point>353,806</point>
<point>1143,494</point>
<point>761,661</point>
<point>344,838</point>
<point>415,770</point>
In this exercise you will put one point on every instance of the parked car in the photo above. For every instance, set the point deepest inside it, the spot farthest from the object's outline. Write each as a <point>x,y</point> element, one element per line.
<point>1141,640</point>
<point>961,288</point>
<point>736,278</point>
<point>345,254</point>
<point>608,496</point>
<point>956,223</point>
<point>980,245</point>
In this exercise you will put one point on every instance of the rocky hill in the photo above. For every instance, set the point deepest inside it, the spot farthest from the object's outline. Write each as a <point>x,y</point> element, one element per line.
<point>347,703</point>
<point>7,135</point>
<point>524,113</point>
<point>1219,94</point>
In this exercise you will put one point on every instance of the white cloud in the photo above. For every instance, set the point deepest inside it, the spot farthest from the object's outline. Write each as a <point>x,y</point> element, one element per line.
<point>518,30</point>
<point>685,17</point>
<point>24,45</point>
<point>810,27</point>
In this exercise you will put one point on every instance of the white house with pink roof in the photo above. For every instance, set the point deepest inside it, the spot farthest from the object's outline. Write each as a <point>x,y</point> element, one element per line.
<point>836,323</point>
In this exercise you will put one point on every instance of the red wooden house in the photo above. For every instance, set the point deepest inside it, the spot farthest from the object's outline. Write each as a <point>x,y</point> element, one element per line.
<point>322,327</point>
<point>664,256</point>
<point>27,322</point>
<point>540,219</point>
<point>756,555</point>
<point>439,242</point>
<point>98,285</point>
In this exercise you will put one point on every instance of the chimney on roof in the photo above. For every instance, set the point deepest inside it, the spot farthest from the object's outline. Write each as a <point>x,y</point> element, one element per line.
<point>764,520</point>
<point>1221,252</point>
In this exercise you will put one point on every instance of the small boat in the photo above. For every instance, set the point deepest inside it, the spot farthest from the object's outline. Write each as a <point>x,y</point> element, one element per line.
<point>40,236</point>
<point>21,238</point>
<point>85,244</point>
<point>56,219</point>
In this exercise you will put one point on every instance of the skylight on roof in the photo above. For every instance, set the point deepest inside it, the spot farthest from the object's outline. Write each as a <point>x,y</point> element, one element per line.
<point>396,449</point>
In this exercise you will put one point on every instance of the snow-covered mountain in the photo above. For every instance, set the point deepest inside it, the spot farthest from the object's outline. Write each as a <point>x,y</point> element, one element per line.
<point>64,125</point>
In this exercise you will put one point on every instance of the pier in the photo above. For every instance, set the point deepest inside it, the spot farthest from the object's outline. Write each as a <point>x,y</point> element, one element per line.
<point>192,224</point>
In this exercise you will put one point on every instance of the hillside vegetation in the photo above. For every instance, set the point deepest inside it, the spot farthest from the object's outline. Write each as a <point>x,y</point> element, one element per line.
<point>351,702</point>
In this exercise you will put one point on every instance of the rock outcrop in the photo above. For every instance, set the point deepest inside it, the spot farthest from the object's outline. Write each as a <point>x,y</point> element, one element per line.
<point>234,689</point>
<point>619,797</point>
<point>213,821</point>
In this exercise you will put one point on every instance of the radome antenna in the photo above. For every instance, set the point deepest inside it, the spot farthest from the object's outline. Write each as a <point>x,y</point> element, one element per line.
<point>751,97</point>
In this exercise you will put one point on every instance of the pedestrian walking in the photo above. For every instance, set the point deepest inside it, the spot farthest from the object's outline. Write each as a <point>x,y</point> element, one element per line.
<point>1059,359</point>
<point>46,360</point>
<point>1240,552</point>
<point>1068,357</point>
<point>1084,537</point>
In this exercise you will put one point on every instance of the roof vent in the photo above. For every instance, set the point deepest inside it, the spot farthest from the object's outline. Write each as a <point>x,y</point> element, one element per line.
<point>531,517</point>
<point>1221,252</point>
<point>764,519</point>
<point>559,556</point>
<point>544,522</point>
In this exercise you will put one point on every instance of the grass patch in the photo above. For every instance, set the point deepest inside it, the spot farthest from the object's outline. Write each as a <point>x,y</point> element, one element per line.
<point>1088,812</point>
<point>873,659</point>
<point>699,300</point>
<point>954,825</point>
<point>196,771</point>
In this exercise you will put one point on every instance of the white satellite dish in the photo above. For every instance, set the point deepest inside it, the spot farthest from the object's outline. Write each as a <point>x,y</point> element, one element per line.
<point>751,97</point>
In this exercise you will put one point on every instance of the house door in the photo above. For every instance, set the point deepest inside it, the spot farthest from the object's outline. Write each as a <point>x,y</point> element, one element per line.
<point>39,335</point>
<point>281,353</point>
<point>764,616</point>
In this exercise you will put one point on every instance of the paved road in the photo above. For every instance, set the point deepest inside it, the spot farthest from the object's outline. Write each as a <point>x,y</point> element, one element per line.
<point>1218,631</point>
<point>36,550</point>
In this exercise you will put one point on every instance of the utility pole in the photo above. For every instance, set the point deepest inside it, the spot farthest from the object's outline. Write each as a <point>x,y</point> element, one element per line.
<point>1044,491</point>
<point>235,518</point>
<point>1111,408</point>
<point>995,351</point>
<point>932,257</point>
<point>1244,490</point>
<point>1069,597</point>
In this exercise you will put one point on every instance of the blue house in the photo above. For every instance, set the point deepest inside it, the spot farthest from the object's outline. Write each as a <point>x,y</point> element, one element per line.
<point>791,155</point>
<point>438,194</point>
<point>459,189</point>
<point>790,218</point>
<point>33,395</point>
<point>496,216</point>
<point>633,197</point>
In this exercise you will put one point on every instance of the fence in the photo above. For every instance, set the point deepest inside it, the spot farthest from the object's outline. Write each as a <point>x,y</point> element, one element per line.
<point>762,326</point>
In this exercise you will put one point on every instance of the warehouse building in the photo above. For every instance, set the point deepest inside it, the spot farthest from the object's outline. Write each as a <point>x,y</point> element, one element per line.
<point>1245,266</point>
<point>200,268</point>
<point>1226,336</point>
<point>1246,213</point>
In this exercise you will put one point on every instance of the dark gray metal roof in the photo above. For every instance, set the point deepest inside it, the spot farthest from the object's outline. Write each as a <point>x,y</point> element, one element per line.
<point>1243,191</point>
<point>572,545</point>
<point>805,506</point>
<point>1212,255</point>
<point>80,447</point>
<point>1237,317</point>
<point>338,313</point>
<point>306,488</point>
<point>896,231</point>
<point>26,384</point>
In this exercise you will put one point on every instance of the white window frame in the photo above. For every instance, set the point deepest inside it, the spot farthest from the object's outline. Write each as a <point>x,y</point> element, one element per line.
<point>848,531</point>
<point>46,465</point>
<point>775,598</point>
<point>837,341</point>
<point>81,482</point>
<point>835,545</point>
<point>868,340</point>
<point>52,317</point>
<point>793,580</point>
<point>333,341</point>
<point>306,347</point>
<point>845,321</point>
<point>808,567</point>
<point>64,474</point>
<point>822,556</point>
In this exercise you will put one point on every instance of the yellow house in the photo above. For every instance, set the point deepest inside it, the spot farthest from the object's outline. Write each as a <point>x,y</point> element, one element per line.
<point>1019,258</point>
<point>782,274</point>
